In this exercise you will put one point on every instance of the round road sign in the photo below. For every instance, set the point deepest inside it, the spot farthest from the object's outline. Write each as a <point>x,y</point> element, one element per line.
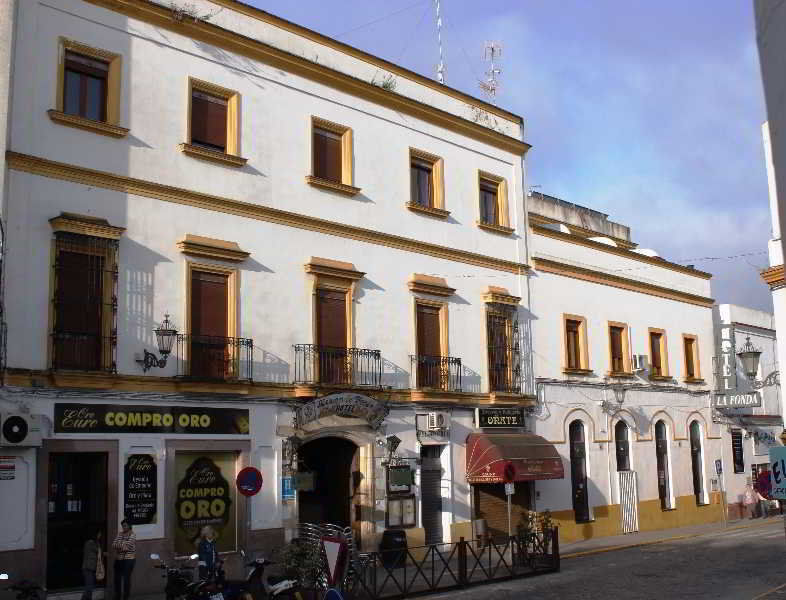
<point>249,481</point>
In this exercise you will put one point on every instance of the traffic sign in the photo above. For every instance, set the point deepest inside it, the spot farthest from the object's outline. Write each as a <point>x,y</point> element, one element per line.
<point>778,472</point>
<point>510,489</point>
<point>718,466</point>
<point>249,481</point>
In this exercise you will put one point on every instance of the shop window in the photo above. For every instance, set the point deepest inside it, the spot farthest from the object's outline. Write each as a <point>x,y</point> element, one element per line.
<point>493,200</point>
<point>619,354</point>
<point>659,362</point>
<point>84,295</point>
<point>662,457</point>
<point>578,472</point>
<point>690,345</point>
<point>737,451</point>
<point>575,336</point>
<point>622,442</point>
<point>88,89</point>
<point>697,462</point>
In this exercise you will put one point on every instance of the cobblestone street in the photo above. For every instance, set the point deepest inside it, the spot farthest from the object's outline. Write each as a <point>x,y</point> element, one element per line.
<point>743,564</point>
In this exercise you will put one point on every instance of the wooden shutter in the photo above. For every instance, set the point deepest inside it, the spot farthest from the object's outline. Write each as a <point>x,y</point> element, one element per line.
<point>327,155</point>
<point>208,120</point>
<point>209,297</point>
<point>331,318</point>
<point>420,177</point>
<point>657,367</point>
<point>572,344</point>
<point>617,364</point>
<point>428,331</point>
<point>488,202</point>
<point>690,369</point>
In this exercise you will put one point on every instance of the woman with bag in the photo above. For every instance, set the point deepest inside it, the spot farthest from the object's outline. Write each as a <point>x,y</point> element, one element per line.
<point>125,558</point>
<point>91,559</point>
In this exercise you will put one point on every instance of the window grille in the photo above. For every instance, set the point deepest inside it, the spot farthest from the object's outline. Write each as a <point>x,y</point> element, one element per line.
<point>504,349</point>
<point>84,303</point>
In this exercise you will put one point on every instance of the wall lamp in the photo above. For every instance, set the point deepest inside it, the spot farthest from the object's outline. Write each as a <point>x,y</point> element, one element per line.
<point>165,337</point>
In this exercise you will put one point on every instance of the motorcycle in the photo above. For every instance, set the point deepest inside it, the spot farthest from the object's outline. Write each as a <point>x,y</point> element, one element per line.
<point>179,580</point>
<point>256,585</point>
<point>25,590</point>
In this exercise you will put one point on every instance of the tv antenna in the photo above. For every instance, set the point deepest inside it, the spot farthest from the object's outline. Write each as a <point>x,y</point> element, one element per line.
<point>441,65</point>
<point>492,52</point>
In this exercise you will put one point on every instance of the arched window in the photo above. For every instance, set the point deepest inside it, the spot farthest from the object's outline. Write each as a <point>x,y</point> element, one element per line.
<point>578,471</point>
<point>662,455</point>
<point>623,446</point>
<point>697,462</point>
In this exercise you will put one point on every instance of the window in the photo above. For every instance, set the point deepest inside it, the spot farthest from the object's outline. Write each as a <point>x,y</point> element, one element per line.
<point>212,346</point>
<point>619,354</point>
<point>212,131</point>
<point>623,446</point>
<point>331,157</point>
<point>492,194</point>
<point>659,360</point>
<point>697,462</point>
<point>426,183</point>
<point>690,345</point>
<point>575,353</point>
<point>502,333</point>
<point>84,296</point>
<point>85,86</point>
<point>431,360</point>
<point>662,457</point>
<point>88,89</point>
<point>737,451</point>
<point>578,472</point>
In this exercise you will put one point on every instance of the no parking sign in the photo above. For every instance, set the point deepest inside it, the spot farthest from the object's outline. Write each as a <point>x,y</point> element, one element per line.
<point>249,481</point>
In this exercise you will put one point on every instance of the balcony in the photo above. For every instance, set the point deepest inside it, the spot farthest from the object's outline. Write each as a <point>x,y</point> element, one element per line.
<point>214,358</point>
<point>436,372</point>
<point>83,352</point>
<point>355,367</point>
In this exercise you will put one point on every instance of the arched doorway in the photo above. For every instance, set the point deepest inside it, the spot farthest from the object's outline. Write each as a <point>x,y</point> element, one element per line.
<point>662,456</point>
<point>697,462</point>
<point>623,447</point>
<point>334,497</point>
<point>578,471</point>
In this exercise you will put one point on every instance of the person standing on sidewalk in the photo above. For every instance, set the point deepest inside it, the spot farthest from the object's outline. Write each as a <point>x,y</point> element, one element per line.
<point>90,557</point>
<point>125,557</point>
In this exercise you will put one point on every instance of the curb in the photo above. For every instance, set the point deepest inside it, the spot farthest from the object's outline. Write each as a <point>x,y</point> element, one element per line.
<point>662,540</point>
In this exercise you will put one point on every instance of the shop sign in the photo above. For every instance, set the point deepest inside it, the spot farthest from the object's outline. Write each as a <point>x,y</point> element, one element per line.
<point>489,418</point>
<point>249,481</point>
<point>736,400</point>
<point>726,362</point>
<point>140,490</point>
<point>204,497</point>
<point>764,439</point>
<point>342,405</point>
<point>119,418</point>
<point>778,472</point>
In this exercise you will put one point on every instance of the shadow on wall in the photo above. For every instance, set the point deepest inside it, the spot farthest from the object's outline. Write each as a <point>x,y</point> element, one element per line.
<point>269,367</point>
<point>394,376</point>
<point>470,380</point>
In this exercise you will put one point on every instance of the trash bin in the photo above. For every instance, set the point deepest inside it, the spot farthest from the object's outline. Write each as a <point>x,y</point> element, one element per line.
<point>393,548</point>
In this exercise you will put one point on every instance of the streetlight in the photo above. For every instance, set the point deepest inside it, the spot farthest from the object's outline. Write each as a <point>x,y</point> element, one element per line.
<point>749,356</point>
<point>165,337</point>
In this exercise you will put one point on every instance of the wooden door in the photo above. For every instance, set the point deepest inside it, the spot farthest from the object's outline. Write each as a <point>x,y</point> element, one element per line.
<point>332,336</point>
<point>429,347</point>
<point>210,357</point>
<point>578,470</point>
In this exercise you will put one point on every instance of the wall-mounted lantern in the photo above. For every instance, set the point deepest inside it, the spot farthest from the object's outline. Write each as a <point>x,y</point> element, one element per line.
<point>165,337</point>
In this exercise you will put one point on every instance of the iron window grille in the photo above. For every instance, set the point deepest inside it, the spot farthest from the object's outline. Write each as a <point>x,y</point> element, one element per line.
<point>84,303</point>
<point>504,348</point>
<point>436,372</point>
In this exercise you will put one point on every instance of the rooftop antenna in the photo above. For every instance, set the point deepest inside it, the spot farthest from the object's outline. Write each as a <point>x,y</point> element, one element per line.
<point>492,52</point>
<point>441,65</point>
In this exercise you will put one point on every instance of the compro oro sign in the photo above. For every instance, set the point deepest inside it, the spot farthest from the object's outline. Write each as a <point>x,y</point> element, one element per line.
<point>736,400</point>
<point>205,498</point>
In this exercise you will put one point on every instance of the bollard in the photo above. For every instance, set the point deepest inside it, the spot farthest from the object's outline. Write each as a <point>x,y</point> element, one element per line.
<point>462,562</point>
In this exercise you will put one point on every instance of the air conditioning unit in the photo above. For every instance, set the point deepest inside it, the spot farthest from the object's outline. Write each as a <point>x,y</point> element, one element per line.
<point>17,429</point>
<point>437,420</point>
<point>639,362</point>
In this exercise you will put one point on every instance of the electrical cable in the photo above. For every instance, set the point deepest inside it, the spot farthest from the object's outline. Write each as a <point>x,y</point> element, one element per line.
<point>375,21</point>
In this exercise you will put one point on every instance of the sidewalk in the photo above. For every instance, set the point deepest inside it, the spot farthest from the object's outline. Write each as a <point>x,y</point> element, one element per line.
<point>630,540</point>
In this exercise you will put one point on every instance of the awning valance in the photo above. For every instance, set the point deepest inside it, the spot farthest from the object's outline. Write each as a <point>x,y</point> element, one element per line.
<point>506,457</point>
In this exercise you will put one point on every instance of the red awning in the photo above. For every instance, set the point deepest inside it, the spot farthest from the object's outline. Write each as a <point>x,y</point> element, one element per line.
<point>506,457</point>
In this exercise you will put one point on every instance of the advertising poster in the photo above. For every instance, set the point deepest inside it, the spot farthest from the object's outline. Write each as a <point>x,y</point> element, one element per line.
<point>205,496</point>
<point>140,491</point>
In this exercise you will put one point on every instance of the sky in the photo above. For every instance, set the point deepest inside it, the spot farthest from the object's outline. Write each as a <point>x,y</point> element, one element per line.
<point>650,112</point>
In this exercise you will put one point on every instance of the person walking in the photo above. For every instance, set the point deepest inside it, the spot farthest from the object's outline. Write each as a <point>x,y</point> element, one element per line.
<point>91,555</point>
<point>206,549</point>
<point>125,558</point>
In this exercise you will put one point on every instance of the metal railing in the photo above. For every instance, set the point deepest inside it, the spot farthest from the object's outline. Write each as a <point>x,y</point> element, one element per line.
<point>405,572</point>
<point>436,372</point>
<point>359,367</point>
<point>83,351</point>
<point>211,357</point>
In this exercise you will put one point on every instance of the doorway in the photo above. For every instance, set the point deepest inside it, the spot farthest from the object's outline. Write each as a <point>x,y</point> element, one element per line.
<point>77,508</point>
<point>578,472</point>
<point>335,497</point>
<point>431,492</point>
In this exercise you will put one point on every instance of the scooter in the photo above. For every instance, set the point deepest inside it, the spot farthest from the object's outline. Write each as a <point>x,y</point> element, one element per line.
<point>256,585</point>
<point>179,580</point>
<point>25,590</point>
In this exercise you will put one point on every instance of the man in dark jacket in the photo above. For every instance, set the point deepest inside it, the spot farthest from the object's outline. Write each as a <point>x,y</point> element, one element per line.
<point>90,563</point>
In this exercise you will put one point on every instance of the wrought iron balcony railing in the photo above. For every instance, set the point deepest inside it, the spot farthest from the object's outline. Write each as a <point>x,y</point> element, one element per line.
<point>436,372</point>
<point>359,367</point>
<point>211,357</point>
<point>83,351</point>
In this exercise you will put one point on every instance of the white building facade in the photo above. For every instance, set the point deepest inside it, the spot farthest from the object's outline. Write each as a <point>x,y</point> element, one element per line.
<point>623,349</point>
<point>343,263</point>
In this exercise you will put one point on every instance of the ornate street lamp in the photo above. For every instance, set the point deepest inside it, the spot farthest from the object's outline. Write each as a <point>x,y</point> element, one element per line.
<point>749,356</point>
<point>165,337</point>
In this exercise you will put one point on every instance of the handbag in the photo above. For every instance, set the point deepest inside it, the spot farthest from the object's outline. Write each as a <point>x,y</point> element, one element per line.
<point>100,573</point>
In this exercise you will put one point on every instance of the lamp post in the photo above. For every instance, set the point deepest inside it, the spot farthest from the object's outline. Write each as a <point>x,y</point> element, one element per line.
<point>165,337</point>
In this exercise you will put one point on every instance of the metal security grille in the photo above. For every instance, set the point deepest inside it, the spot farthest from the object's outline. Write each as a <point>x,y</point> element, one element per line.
<point>84,303</point>
<point>504,349</point>
<point>431,493</point>
<point>629,501</point>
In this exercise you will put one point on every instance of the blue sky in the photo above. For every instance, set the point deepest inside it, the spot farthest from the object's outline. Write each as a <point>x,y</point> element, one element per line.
<point>648,111</point>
